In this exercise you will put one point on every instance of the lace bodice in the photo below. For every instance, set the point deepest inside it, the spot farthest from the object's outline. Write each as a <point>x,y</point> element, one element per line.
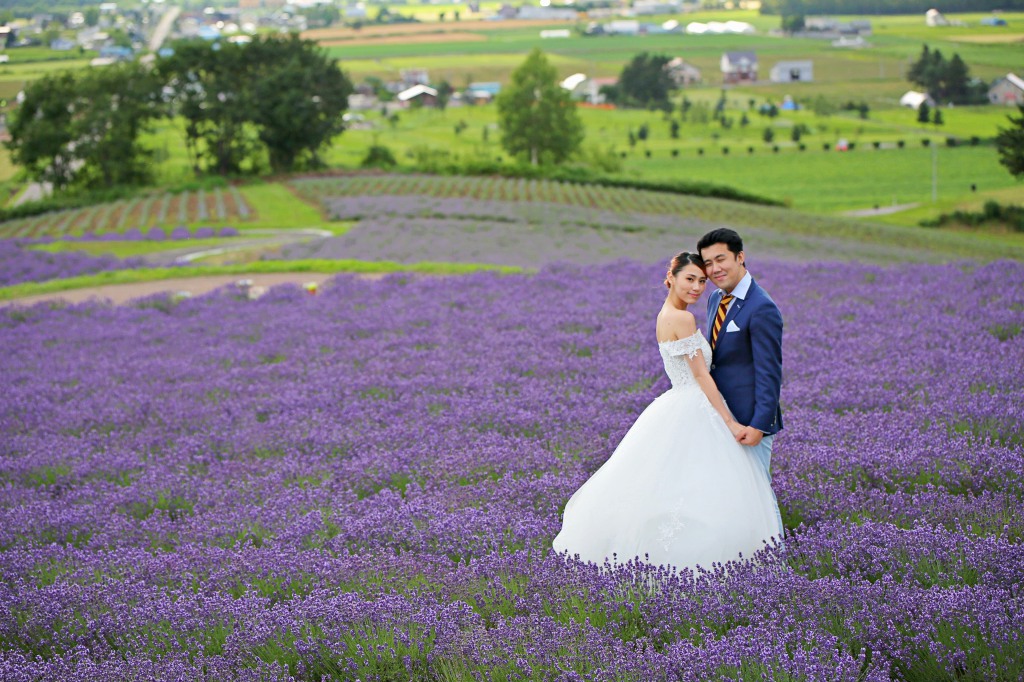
<point>676,353</point>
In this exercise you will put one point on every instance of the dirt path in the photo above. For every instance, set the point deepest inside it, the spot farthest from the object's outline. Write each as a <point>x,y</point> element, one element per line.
<point>122,293</point>
<point>880,210</point>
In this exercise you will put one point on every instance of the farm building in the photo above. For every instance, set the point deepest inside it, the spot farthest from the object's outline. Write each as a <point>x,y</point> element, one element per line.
<point>993,21</point>
<point>1007,90</point>
<point>682,73</point>
<point>422,95</point>
<point>739,67</point>
<point>792,72</point>
<point>934,17</point>
<point>913,99</point>
<point>482,92</point>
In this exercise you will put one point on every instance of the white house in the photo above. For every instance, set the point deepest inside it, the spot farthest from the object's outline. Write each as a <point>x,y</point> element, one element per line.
<point>914,99</point>
<point>424,94</point>
<point>792,72</point>
<point>1007,90</point>
<point>739,66</point>
<point>682,73</point>
<point>934,17</point>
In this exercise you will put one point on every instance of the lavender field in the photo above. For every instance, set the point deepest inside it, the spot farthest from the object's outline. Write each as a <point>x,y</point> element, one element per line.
<point>364,484</point>
<point>21,264</point>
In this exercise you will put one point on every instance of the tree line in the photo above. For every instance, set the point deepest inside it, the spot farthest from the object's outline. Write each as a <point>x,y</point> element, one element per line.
<point>272,104</point>
<point>801,7</point>
<point>946,80</point>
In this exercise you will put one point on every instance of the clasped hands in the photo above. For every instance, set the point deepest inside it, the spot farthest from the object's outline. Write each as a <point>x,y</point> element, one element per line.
<point>745,435</point>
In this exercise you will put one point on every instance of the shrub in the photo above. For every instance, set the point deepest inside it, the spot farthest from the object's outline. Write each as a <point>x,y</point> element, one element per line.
<point>826,146</point>
<point>802,147</point>
<point>725,150</point>
<point>750,150</point>
<point>378,156</point>
<point>675,153</point>
<point>775,148</point>
<point>975,140</point>
<point>951,142</point>
<point>876,144</point>
<point>926,142</point>
<point>900,144</point>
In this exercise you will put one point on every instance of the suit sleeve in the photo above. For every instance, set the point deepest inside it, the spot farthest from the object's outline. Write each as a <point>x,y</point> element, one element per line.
<point>766,346</point>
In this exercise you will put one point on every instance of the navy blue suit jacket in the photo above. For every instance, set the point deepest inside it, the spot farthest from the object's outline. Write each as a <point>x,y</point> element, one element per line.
<point>747,364</point>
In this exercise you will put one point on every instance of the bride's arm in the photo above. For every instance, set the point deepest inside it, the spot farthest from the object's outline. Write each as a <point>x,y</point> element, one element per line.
<point>685,326</point>
<point>707,384</point>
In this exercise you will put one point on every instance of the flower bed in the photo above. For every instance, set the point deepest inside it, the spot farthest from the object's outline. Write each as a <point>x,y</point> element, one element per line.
<point>365,483</point>
<point>18,264</point>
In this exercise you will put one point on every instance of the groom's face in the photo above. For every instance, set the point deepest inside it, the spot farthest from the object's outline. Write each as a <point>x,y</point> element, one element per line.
<point>724,267</point>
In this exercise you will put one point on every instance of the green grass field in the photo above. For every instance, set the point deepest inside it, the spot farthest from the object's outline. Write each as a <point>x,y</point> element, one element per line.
<point>813,180</point>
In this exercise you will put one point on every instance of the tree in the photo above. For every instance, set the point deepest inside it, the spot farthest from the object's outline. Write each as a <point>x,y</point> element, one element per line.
<point>300,95</point>
<point>944,80</point>
<point>1010,144</point>
<point>83,128</point>
<point>205,88</point>
<point>768,135</point>
<point>644,81</point>
<point>537,117</point>
<point>444,94</point>
<point>283,96</point>
<point>937,117</point>
<point>923,112</point>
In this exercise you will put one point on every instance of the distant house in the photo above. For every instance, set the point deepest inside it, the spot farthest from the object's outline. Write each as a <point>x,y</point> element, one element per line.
<point>116,52</point>
<point>739,67</point>
<point>546,13</point>
<point>993,21</point>
<point>681,73</point>
<point>792,72</point>
<point>411,77</point>
<point>913,99</point>
<point>62,45</point>
<point>482,92</point>
<point>423,95</point>
<point>1007,90</point>
<point>624,27</point>
<point>934,17</point>
<point>849,41</point>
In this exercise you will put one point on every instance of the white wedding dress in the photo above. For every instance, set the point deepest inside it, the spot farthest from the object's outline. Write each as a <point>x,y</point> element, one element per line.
<point>678,490</point>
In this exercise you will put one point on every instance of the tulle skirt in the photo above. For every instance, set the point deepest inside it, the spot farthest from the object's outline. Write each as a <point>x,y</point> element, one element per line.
<point>678,491</point>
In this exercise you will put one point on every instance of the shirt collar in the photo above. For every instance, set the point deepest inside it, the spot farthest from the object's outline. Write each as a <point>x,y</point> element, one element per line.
<point>743,287</point>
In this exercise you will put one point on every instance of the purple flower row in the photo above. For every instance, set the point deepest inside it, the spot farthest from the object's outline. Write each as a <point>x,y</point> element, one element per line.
<point>157,234</point>
<point>19,264</point>
<point>364,484</point>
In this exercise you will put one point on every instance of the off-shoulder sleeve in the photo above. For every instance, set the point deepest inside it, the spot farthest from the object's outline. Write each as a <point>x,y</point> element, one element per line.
<point>688,346</point>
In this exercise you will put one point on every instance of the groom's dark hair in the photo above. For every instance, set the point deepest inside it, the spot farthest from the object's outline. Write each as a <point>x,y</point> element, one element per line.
<point>722,235</point>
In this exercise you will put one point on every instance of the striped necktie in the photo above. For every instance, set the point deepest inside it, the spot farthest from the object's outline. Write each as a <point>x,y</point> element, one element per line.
<point>720,318</point>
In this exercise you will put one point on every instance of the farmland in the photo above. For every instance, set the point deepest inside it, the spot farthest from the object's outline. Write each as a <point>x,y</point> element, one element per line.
<point>358,484</point>
<point>364,483</point>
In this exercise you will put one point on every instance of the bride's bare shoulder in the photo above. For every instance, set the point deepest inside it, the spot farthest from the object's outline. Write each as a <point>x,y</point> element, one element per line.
<point>676,324</point>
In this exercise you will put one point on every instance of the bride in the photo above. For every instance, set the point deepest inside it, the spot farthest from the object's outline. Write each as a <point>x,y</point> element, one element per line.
<point>678,490</point>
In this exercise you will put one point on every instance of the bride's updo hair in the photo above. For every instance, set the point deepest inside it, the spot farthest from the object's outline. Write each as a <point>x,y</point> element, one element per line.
<point>680,261</point>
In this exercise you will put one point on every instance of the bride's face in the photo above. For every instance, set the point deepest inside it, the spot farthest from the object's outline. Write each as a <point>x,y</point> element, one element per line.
<point>689,284</point>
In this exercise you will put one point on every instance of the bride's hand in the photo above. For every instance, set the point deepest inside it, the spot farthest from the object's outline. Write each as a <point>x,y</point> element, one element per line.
<point>734,427</point>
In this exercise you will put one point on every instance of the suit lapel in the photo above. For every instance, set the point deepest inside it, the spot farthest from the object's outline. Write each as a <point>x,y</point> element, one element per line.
<point>734,310</point>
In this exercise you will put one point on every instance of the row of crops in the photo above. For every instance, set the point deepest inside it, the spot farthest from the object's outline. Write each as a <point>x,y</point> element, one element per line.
<point>138,213</point>
<point>318,189</point>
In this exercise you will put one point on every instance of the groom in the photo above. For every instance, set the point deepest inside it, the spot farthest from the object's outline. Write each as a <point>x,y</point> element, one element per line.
<point>745,332</point>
